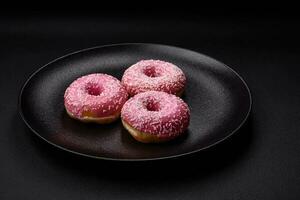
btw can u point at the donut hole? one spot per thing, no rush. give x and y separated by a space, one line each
153 106
93 89
151 71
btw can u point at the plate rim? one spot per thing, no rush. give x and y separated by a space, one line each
21 113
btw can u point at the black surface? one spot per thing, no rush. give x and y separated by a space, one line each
260 162
219 100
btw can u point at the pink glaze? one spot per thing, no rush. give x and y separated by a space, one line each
99 94
155 75
157 113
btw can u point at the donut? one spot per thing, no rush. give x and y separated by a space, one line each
147 75
95 98
154 116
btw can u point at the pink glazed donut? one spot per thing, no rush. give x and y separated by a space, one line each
95 98
147 75
154 116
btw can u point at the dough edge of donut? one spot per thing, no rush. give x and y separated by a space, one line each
178 93
143 136
98 120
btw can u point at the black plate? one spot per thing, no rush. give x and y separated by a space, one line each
218 97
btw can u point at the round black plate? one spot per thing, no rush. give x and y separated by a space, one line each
219 100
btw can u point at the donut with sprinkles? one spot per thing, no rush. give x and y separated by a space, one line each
95 98
155 116
157 75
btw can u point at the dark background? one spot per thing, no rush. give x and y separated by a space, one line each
261 161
